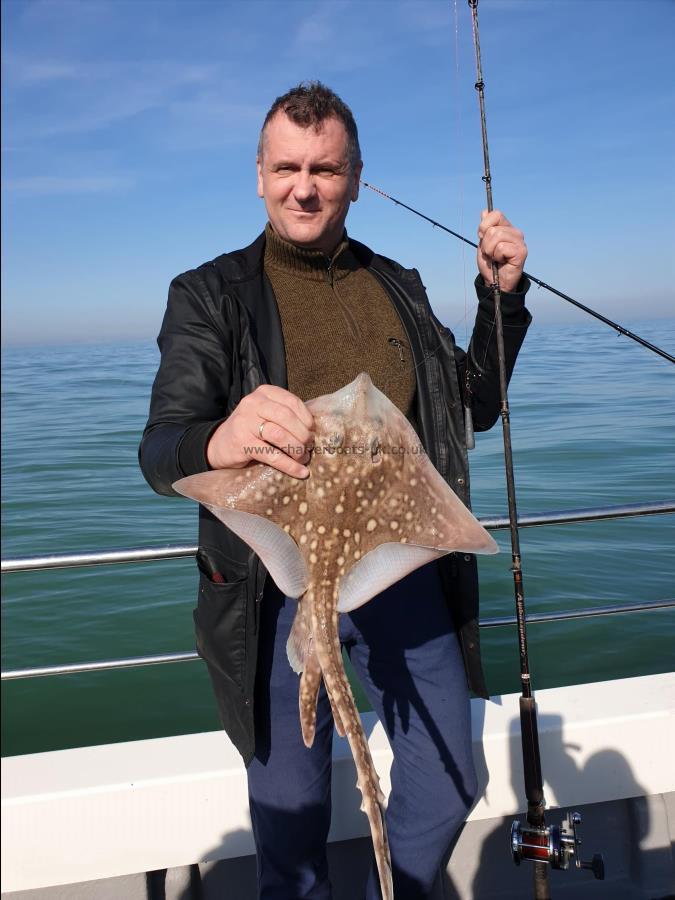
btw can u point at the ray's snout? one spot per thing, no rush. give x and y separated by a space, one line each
366 397
362 383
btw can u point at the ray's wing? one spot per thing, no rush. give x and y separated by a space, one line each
419 518
260 505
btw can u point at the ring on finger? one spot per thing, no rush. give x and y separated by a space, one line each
260 429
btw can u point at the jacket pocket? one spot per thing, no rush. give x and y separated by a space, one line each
220 624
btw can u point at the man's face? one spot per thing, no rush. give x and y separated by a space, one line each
307 182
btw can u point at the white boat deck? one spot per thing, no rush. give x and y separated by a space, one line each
99 813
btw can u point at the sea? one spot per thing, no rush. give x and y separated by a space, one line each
592 422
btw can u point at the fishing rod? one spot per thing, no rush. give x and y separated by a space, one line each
538 281
546 846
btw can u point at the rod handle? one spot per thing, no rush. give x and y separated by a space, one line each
534 789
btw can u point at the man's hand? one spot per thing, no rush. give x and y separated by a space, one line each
270 425
498 240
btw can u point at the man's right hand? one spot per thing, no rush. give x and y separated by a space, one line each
283 442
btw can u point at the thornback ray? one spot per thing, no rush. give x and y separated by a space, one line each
372 510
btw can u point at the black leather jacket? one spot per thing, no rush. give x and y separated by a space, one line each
220 339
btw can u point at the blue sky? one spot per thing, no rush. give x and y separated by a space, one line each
129 133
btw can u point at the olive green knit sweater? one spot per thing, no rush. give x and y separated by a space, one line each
337 321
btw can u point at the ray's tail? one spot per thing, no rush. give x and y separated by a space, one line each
348 721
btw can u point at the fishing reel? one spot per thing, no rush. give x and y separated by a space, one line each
554 845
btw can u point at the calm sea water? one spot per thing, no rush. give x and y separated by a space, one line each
593 423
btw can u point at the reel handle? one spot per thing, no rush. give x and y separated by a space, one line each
596 865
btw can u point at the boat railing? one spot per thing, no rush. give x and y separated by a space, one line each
155 554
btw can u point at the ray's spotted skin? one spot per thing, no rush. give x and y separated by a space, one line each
372 510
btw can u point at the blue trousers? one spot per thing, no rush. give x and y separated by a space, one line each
406 654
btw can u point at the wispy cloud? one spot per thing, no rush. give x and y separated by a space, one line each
427 15
29 72
317 28
44 185
91 96
56 14
319 38
208 120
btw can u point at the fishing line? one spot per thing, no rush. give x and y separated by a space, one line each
538 281
460 145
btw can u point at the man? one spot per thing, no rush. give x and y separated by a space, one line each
246 339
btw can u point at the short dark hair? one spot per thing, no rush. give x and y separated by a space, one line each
311 103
